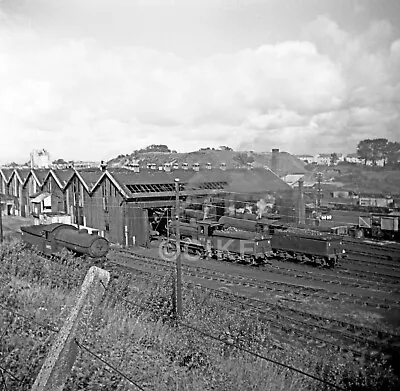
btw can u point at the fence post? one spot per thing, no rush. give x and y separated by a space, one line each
59 361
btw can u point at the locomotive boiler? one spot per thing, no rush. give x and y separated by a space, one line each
52 238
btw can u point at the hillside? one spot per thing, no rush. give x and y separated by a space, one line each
367 180
287 163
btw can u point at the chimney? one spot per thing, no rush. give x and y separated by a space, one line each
301 206
275 160
103 166
167 167
209 166
222 166
135 167
196 167
185 166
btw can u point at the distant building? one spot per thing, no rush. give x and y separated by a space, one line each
40 158
353 158
79 165
308 159
323 159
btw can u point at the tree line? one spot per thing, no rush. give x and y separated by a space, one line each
379 149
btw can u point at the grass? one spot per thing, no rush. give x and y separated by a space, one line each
365 179
144 343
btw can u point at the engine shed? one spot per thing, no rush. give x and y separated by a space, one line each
128 206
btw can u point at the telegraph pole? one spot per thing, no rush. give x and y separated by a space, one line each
319 192
178 291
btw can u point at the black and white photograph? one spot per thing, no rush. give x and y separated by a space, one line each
199 195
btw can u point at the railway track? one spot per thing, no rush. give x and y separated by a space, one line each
303 292
377 250
286 322
374 281
370 264
320 331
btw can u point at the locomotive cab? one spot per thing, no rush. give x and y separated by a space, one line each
206 229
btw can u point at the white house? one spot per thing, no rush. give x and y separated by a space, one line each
309 159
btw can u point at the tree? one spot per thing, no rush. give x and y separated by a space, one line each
334 158
156 148
393 153
379 150
243 158
364 150
59 161
373 150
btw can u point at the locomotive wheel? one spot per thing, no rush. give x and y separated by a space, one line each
170 247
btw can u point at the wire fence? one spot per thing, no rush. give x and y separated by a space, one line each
83 347
21 381
111 366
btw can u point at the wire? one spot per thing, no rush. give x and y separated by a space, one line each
48 327
262 357
245 350
4 383
80 345
9 373
183 324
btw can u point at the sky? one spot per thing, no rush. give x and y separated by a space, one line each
92 79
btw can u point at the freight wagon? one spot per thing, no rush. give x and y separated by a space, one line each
379 226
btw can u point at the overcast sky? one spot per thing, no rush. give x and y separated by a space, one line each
91 79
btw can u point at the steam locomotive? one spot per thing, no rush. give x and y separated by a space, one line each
52 238
256 241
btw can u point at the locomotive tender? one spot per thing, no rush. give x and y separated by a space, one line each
52 238
256 241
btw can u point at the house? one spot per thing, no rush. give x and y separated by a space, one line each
308 159
378 162
324 159
353 158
